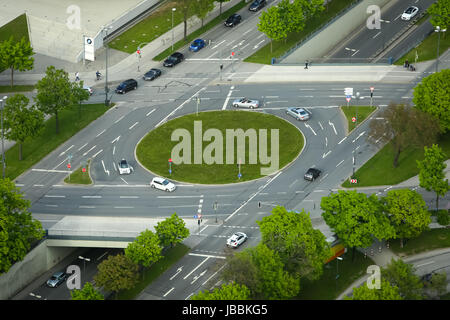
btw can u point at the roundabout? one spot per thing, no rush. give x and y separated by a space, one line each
220 147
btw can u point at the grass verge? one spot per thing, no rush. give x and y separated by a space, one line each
156 148
78 176
427 241
379 170
170 257
15 88
17 28
328 287
359 112
35 149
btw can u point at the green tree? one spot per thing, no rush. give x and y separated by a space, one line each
431 172
310 8
79 95
440 14
302 249
171 231
432 95
407 212
292 16
241 269
438 284
202 8
87 293
16 56
272 25
145 250
356 218
220 6
18 229
231 291
117 273
386 292
186 8
21 122
401 275
54 93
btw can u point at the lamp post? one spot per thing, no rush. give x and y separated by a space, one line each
3 145
106 62
173 10
438 30
337 269
215 209
352 50
382 34
356 124
84 261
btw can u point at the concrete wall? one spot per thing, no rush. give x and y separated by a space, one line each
35 263
332 35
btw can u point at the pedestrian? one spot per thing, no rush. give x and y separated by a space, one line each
406 63
77 76
306 64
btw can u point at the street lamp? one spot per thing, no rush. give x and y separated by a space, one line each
356 124
352 50
438 30
382 34
337 269
106 75
84 259
173 10
3 143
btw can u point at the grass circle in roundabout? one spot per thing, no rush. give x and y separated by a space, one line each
205 139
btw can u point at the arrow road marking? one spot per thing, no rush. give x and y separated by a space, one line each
196 268
332 124
326 154
197 277
178 271
311 129
116 139
106 171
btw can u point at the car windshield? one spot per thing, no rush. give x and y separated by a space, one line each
165 182
53 278
409 10
123 164
302 112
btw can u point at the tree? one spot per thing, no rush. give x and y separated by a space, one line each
17 227
145 250
356 218
241 269
310 8
404 127
386 292
231 291
431 172
54 93
171 231
272 25
87 293
302 249
438 284
21 122
401 275
291 15
117 273
79 95
220 8
202 8
440 14
186 8
407 212
432 96
16 56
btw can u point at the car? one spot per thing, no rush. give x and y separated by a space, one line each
124 167
312 174
152 74
196 45
56 279
173 59
236 239
233 20
257 5
162 184
246 103
299 113
88 89
409 13
126 86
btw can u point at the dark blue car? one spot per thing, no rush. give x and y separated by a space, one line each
197 45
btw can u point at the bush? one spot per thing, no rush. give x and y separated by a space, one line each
443 217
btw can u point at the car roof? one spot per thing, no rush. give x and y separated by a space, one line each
58 274
160 179
313 170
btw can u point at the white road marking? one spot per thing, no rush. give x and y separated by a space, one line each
326 154
176 273
150 112
362 133
116 139
129 197
290 186
84 145
100 133
123 180
196 267
104 169
89 150
247 31
51 205
114 151
97 154
86 207
123 207
46 170
306 125
424 264
53 196
342 140
218 44
205 255
176 197
227 99
182 206
168 292
64 152
376 35
339 163
119 119
133 126
91 197
332 124
257 45
355 52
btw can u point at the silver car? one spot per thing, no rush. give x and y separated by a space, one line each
236 239
299 113
246 103
56 279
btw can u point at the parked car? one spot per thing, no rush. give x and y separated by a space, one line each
197 44
162 184
299 113
88 89
312 174
152 74
233 20
124 167
236 239
246 103
409 13
56 279
126 86
257 5
173 59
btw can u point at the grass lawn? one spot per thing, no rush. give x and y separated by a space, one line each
380 171
15 88
37 148
17 28
79 177
427 241
325 287
264 55
359 112
170 257
156 148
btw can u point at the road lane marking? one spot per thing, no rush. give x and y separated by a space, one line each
91 197
129 197
64 152
218 44
206 255
376 35
168 292
227 99
342 140
54 196
49 170
119 119
123 207
196 267
97 154
123 180
339 163
86 207
100 133
133 126
150 113
84 145
424 264
89 150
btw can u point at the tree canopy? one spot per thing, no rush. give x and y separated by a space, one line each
145 250
171 231
16 56
440 14
401 274
230 291
87 293
386 292
271 24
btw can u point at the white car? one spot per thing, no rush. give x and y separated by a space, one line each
409 13
236 239
124 167
246 103
298 113
162 184
88 89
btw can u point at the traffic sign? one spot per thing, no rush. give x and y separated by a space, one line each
353 119
195 216
371 89
232 53
348 91
348 99
239 175
353 181
170 160
68 165
84 169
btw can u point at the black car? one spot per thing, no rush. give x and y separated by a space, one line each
312 174
233 20
126 86
175 58
152 74
257 5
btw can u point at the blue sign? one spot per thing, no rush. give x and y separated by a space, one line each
170 171
348 96
239 175
195 217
